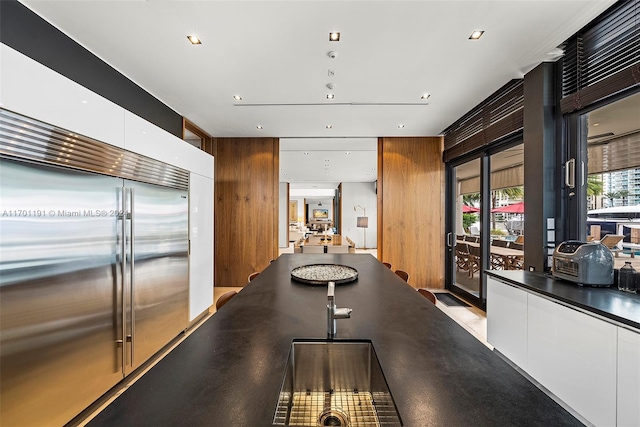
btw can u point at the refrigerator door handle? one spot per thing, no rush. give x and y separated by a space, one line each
123 268
132 276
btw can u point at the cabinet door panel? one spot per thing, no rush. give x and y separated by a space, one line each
628 378
36 91
507 321
201 239
145 138
574 356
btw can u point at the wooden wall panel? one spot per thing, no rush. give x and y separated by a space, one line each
246 207
411 208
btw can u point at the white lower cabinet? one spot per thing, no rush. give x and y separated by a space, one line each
507 321
628 378
574 356
592 365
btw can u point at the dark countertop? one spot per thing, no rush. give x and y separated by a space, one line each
228 372
610 303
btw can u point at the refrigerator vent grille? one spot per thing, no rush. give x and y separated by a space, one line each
29 139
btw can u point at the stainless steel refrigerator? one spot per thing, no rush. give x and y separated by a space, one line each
93 268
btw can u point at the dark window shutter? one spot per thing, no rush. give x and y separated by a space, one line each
498 116
603 58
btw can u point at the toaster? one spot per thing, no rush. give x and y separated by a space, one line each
585 263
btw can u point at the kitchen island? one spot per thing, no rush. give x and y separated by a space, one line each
229 371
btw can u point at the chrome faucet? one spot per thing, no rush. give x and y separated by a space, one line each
333 312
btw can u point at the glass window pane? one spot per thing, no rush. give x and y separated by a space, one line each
613 174
467 261
507 209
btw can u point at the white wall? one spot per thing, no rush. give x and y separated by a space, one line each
300 201
363 194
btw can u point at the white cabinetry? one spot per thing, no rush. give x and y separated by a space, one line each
507 321
574 356
31 89
145 138
628 378
589 363
201 241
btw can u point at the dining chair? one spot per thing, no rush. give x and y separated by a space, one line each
516 262
496 261
462 256
224 298
403 275
611 241
386 264
428 295
253 276
500 242
518 246
474 260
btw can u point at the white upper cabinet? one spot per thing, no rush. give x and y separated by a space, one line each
145 138
29 88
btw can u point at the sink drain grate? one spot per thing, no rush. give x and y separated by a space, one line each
364 408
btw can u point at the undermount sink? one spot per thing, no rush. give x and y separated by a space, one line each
334 383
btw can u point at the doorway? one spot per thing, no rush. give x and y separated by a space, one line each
329 178
487 221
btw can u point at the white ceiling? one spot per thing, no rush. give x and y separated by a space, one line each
274 55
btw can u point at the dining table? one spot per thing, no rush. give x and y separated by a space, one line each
508 255
327 240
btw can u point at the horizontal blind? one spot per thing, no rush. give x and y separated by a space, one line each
603 58
500 115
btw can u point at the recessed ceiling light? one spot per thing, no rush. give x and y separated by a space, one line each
194 39
330 96
334 37
425 96
400 126
237 97
328 126
259 127
476 35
